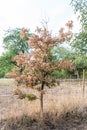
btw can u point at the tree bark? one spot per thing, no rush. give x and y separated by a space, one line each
77 74
41 101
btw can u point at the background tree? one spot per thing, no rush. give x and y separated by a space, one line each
80 7
13 42
13 45
61 52
79 41
6 64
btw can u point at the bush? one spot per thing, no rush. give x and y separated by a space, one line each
59 74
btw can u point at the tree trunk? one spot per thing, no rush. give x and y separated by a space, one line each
41 101
83 83
77 74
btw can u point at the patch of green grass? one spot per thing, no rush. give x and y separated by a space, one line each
31 97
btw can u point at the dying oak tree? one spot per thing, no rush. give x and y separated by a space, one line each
39 65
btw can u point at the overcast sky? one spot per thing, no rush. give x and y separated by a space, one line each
29 13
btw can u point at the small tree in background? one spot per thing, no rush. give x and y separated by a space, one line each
39 65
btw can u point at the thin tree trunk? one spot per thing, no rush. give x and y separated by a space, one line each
41 100
83 83
41 125
77 74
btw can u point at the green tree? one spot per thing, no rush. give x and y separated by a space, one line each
80 62
13 42
13 45
79 41
6 64
61 53
80 7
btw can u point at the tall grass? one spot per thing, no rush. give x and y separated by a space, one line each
64 109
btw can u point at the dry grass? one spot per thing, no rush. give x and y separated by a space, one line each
7 82
64 109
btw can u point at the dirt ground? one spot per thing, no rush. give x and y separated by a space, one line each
60 101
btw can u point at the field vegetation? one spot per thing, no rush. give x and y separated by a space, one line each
64 108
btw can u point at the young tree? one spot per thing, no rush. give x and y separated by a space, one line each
39 65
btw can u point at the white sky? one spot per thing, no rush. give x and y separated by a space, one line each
29 13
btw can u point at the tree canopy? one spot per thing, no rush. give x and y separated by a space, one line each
79 40
13 45
13 42
80 7
37 67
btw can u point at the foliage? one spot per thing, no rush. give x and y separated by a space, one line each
37 67
80 7
59 74
60 52
80 61
31 97
63 53
6 64
79 41
22 95
13 44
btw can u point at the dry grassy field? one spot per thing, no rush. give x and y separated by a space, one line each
64 108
